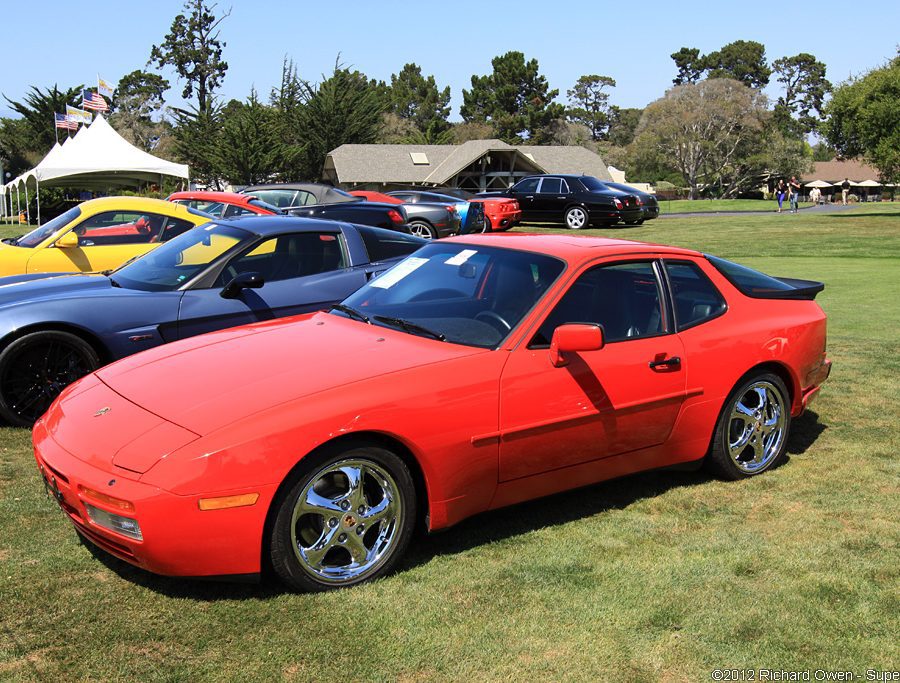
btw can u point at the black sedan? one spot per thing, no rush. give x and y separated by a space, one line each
572 200
648 202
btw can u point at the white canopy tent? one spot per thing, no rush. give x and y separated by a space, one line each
96 157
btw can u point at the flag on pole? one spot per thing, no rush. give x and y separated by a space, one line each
78 115
64 121
92 100
103 87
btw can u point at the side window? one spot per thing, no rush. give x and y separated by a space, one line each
565 187
232 210
288 256
551 186
172 227
527 185
406 197
120 227
624 299
696 299
384 244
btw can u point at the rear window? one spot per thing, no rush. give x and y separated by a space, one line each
386 244
750 282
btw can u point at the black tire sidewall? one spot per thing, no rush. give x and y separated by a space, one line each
281 554
16 346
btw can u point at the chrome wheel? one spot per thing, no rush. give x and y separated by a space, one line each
576 218
346 521
423 230
757 427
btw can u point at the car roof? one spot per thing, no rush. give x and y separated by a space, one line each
264 225
572 248
214 196
128 202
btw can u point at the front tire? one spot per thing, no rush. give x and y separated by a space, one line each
36 367
751 434
576 218
347 516
423 230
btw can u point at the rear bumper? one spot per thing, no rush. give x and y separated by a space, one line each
815 380
178 538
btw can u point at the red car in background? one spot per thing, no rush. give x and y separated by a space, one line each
500 213
224 204
477 373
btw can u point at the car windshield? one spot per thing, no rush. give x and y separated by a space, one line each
176 262
459 293
38 235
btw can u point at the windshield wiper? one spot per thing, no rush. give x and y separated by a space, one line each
352 312
112 282
408 326
13 241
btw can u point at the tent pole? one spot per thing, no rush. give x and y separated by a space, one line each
37 185
27 202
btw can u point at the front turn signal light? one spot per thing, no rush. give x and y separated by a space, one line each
225 502
113 502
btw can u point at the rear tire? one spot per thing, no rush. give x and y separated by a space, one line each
423 230
487 224
36 367
577 218
346 517
752 430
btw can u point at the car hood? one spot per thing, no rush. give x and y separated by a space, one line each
18 289
207 382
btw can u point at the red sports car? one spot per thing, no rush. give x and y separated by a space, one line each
479 372
224 204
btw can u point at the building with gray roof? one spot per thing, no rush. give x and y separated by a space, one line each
475 165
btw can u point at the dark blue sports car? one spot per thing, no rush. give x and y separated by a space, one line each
57 328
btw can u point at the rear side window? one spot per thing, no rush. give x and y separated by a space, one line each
750 282
696 299
551 186
385 244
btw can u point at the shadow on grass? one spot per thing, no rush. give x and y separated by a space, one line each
488 527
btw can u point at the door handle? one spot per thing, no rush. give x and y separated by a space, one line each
531 196
672 362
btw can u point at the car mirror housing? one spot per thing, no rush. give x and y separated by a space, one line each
574 337
68 241
241 282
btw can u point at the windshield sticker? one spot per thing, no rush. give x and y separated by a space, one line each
398 272
461 257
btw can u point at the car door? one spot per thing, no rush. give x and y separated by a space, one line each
105 241
550 200
618 399
524 192
302 272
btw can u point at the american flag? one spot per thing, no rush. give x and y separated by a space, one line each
62 121
92 100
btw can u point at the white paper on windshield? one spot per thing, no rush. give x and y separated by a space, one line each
461 257
398 272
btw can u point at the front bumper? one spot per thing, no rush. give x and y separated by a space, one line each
178 538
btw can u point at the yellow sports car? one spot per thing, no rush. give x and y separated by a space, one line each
99 234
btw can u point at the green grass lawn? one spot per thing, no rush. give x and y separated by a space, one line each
655 577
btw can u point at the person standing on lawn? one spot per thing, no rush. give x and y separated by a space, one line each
794 190
845 190
779 192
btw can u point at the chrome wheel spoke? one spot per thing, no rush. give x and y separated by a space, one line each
315 554
356 546
757 427
380 512
315 504
355 494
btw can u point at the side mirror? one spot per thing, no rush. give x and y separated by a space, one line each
242 282
572 338
68 241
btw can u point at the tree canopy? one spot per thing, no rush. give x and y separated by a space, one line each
192 47
514 98
416 98
864 119
591 104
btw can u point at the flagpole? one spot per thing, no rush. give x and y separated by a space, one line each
55 129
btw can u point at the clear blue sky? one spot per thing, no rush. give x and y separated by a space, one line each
69 42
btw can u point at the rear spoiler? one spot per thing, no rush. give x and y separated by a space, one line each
799 289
